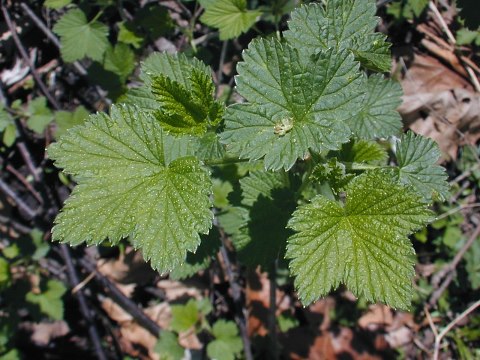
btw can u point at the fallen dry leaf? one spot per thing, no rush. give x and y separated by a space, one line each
132 333
377 317
129 268
43 333
440 104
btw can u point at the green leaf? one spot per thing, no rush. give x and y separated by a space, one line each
80 38
418 6
128 35
68 119
168 347
134 180
8 127
332 172
363 244
5 118
287 321
231 17
258 229
39 115
177 67
378 117
472 265
341 24
5 274
227 343
50 300
417 158
10 135
362 151
56 4
467 37
199 260
154 19
141 97
210 148
186 107
296 103
184 316
120 60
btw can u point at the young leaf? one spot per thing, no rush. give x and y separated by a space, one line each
50 300
199 260
378 117
39 115
362 151
184 316
332 172
120 60
347 24
231 17
296 103
80 38
184 111
177 67
417 158
363 244
227 343
134 180
128 35
258 229
168 347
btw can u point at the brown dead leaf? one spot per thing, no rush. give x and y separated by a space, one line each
175 289
43 333
440 104
129 268
258 302
399 337
134 335
377 317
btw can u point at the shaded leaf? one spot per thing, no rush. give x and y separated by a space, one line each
378 117
417 159
68 119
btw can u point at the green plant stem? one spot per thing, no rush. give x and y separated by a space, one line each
95 18
220 66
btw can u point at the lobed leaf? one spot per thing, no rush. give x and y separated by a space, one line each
378 117
296 103
134 180
80 38
347 24
227 343
417 159
363 244
258 227
230 17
